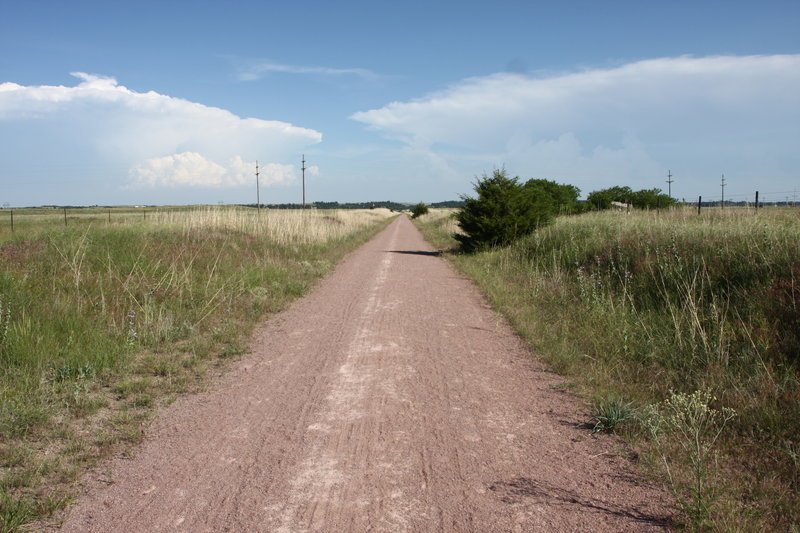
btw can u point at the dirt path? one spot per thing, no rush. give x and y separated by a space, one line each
390 399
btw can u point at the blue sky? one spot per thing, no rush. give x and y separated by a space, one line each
173 102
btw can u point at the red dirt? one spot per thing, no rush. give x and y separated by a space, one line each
389 399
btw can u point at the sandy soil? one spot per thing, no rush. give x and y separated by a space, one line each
390 399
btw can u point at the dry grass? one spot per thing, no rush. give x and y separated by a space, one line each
443 222
283 227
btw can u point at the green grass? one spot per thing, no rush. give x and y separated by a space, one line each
646 307
101 323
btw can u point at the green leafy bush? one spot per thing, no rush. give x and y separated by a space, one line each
419 210
643 199
503 211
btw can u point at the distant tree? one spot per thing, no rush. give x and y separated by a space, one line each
419 210
651 199
600 199
643 199
563 197
503 211
448 203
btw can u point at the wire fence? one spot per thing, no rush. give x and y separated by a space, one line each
764 199
120 215
17 217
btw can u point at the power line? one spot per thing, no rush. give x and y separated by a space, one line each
669 181
258 190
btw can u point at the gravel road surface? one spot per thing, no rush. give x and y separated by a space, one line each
391 398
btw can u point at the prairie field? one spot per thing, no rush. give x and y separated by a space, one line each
682 331
112 313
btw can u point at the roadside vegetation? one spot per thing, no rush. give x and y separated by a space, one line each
115 314
506 209
682 331
419 210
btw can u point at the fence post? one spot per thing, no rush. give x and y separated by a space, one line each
65 217
699 203
109 216
756 200
12 221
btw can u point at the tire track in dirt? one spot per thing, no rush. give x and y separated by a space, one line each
389 399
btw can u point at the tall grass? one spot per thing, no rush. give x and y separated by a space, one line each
647 307
284 227
100 323
290 226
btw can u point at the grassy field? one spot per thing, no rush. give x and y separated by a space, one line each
683 333
111 315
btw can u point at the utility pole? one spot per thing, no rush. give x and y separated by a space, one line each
258 191
723 191
669 181
303 168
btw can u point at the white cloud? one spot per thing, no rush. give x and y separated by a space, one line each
259 70
620 124
163 141
190 169
274 173
185 169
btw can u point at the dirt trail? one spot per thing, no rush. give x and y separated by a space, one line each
390 399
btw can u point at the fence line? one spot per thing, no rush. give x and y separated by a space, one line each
756 200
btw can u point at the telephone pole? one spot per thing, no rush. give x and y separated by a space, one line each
258 191
303 167
669 181
723 191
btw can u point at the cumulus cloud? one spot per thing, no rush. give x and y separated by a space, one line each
625 122
164 141
187 168
190 169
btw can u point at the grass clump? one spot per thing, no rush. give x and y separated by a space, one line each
610 415
652 306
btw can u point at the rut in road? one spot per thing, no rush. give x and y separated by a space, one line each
389 399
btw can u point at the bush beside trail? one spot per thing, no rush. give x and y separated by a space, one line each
419 210
506 209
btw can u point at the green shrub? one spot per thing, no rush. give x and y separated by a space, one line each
503 211
419 210
643 199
